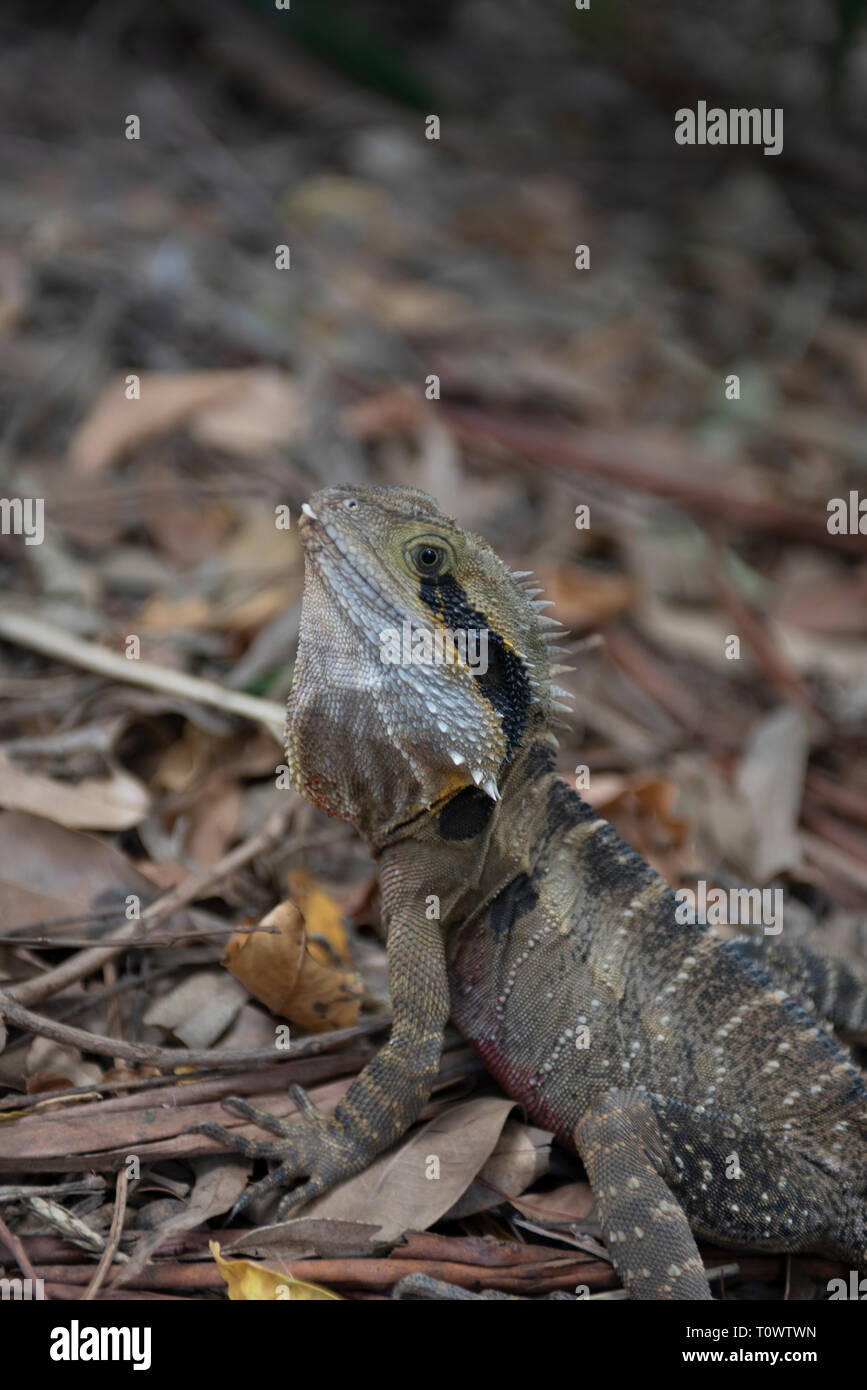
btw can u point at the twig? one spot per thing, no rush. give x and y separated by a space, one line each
174 1056
847 800
39 636
22 1192
51 943
196 886
114 1235
18 1251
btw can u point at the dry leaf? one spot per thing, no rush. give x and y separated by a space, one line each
565 1205
164 614
412 1186
584 596
268 411
199 1009
117 802
115 424
216 818
520 1158
243 411
771 780
282 972
219 1184
268 965
48 871
307 1235
322 918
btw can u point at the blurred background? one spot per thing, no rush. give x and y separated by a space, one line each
559 387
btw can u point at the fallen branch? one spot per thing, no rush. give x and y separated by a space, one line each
26 630
149 1053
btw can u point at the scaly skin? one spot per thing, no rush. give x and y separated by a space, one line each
701 1089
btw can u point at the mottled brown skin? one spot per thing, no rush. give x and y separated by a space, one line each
702 1090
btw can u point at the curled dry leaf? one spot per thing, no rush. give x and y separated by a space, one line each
284 973
250 1282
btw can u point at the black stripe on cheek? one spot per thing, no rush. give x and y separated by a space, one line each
505 684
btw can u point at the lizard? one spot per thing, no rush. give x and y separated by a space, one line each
697 1078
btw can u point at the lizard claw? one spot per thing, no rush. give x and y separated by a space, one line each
305 1104
310 1145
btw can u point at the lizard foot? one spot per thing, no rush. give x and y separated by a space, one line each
313 1145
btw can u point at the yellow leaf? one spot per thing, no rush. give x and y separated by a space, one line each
322 917
251 1282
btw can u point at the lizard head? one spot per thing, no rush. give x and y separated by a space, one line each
422 663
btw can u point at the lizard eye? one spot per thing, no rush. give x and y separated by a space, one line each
429 560
350 503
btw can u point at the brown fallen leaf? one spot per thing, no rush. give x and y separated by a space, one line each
583 596
114 424
243 411
307 1235
414 1185
215 823
521 1156
219 1184
268 411
642 809
163 613
281 971
116 802
48 871
565 1205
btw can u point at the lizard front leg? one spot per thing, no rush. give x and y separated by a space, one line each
645 1227
384 1099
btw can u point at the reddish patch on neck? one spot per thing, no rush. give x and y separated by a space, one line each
517 1083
